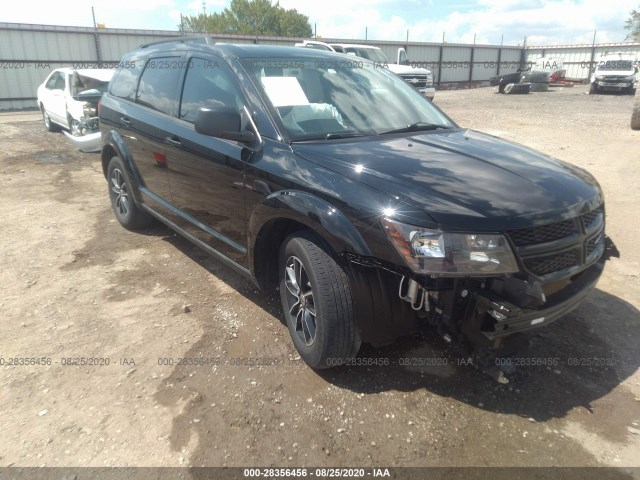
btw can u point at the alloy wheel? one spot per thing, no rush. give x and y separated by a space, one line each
300 300
120 192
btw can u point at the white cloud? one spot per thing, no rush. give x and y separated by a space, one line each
541 21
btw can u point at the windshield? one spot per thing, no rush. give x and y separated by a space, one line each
616 65
339 97
372 54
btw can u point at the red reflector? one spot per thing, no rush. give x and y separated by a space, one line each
160 158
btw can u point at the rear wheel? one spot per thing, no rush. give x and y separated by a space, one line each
123 204
316 298
49 125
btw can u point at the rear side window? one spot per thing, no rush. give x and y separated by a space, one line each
209 83
125 81
158 84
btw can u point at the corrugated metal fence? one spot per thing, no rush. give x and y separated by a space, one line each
28 53
580 60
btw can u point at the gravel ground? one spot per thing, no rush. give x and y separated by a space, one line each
75 284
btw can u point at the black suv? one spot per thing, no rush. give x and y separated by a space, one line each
335 181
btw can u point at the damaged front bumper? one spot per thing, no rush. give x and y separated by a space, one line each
86 143
492 317
481 313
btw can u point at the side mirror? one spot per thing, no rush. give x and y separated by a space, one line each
222 122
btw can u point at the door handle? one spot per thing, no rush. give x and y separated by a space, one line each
173 141
125 121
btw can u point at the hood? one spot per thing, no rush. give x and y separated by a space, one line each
462 178
407 70
100 74
614 73
87 85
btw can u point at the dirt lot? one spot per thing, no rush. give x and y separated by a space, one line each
75 284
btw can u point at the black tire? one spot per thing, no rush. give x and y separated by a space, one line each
48 123
635 114
535 77
512 77
312 279
593 89
539 87
123 204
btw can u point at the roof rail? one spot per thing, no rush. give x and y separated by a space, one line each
206 39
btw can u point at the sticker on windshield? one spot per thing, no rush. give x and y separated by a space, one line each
284 91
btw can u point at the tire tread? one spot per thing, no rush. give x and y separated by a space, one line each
332 287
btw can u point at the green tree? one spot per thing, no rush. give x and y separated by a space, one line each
250 17
633 25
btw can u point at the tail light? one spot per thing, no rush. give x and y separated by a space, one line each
99 105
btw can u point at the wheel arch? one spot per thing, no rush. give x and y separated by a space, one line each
113 145
285 212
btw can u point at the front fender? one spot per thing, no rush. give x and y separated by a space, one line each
313 212
75 109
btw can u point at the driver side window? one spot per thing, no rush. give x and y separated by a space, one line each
208 84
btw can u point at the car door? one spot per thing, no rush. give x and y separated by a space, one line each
206 174
54 100
148 121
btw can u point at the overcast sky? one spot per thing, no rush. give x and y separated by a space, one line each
543 22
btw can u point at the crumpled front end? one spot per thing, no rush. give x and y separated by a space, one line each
559 264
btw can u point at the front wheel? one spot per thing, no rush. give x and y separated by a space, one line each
123 204
593 89
74 127
316 298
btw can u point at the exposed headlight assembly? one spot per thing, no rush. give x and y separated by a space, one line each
438 253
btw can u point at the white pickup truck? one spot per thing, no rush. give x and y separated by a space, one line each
419 78
615 71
